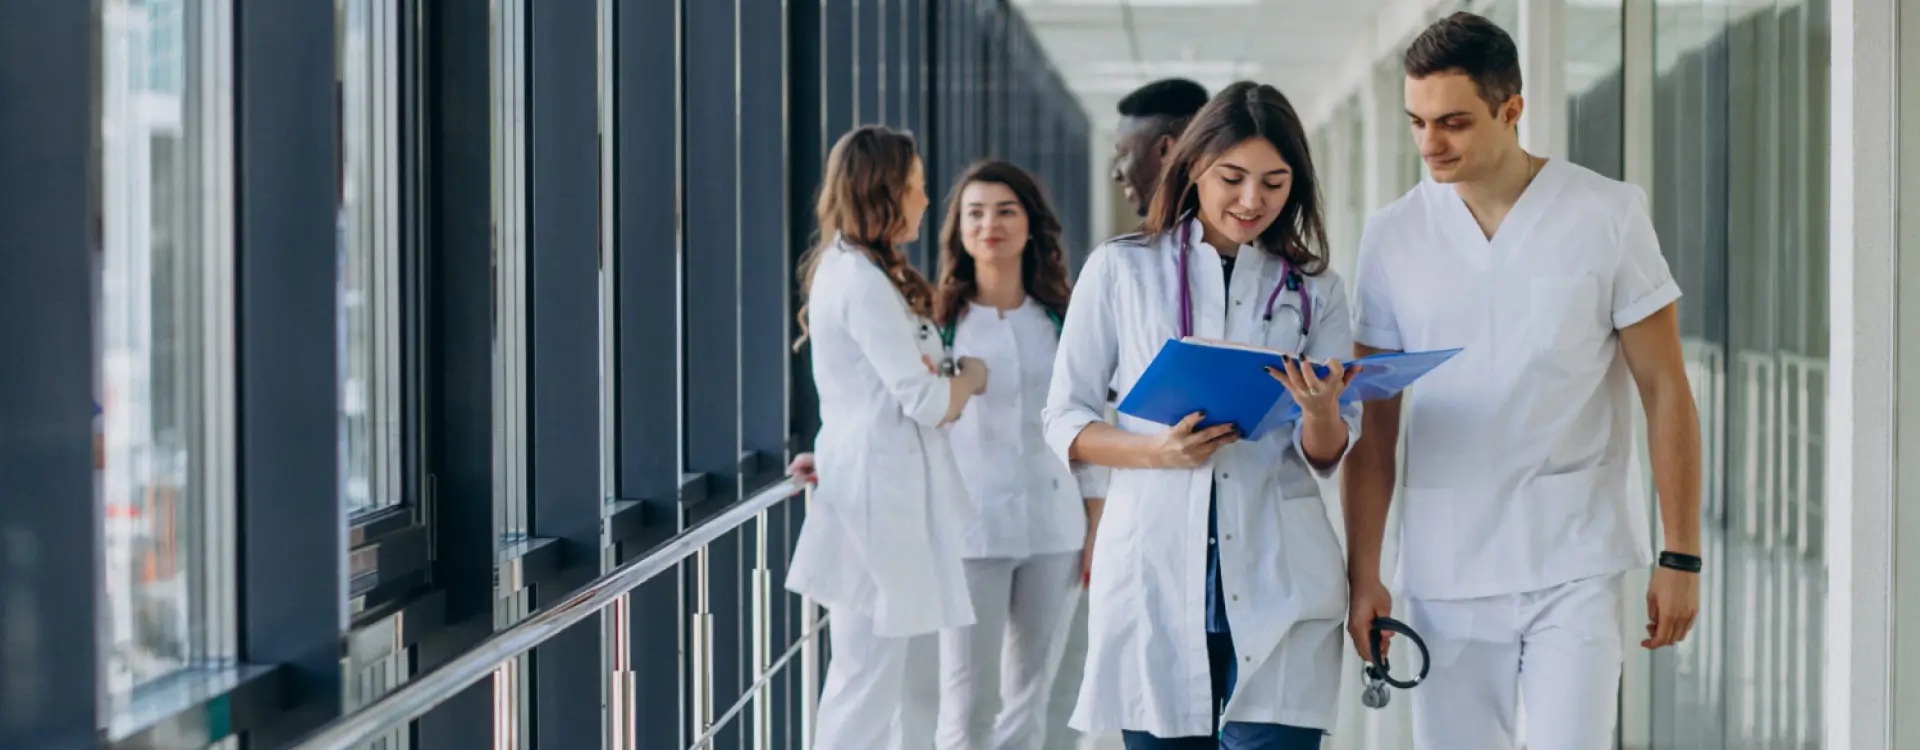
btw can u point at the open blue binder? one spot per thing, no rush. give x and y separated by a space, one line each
1230 384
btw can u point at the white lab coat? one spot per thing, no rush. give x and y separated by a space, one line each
1028 501
1520 470
1284 573
882 535
1023 548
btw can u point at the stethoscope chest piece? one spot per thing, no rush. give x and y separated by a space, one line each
1378 673
1376 695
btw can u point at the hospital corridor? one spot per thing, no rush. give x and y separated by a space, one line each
858 375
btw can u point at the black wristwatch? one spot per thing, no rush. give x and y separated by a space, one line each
1679 561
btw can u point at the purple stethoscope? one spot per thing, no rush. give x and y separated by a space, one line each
1289 279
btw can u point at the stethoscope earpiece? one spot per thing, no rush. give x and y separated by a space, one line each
1378 674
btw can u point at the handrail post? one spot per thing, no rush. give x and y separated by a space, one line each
809 661
762 638
701 654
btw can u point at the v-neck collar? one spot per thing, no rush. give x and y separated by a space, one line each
1513 228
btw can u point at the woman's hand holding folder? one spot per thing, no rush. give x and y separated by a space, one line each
1323 436
1180 447
1317 396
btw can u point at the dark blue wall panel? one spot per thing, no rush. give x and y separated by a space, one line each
764 252
563 265
289 415
48 523
710 414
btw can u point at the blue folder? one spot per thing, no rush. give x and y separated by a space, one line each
1230 384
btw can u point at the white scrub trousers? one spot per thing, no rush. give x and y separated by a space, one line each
881 693
1559 650
996 676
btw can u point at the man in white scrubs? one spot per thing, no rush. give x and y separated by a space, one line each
1523 502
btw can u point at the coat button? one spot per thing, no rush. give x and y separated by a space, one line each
1236 597
1229 537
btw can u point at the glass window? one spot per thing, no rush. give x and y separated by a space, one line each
1596 124
164 317
1740 150
1503 13
1354 177
369 244
1396 135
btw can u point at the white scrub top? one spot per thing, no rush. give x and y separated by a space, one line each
1282 568
1029 503
882 534
1520 470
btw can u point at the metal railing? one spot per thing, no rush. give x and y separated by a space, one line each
421 695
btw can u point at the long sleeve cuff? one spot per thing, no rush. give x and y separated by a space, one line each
1349 414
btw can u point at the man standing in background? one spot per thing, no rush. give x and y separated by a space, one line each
1151 119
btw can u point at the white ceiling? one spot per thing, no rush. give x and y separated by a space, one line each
1106 48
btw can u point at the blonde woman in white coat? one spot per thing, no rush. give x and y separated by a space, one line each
880 549
1001 294
1218 595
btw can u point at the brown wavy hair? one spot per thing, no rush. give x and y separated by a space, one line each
1043 265
1240 112
867 173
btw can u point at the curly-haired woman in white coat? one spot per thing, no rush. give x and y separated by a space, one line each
880 548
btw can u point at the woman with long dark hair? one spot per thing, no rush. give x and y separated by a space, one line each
1001 295
1219 592
880 548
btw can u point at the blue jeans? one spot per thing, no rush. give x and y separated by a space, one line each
1235 735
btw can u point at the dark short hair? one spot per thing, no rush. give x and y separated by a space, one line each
1470 45
1172 98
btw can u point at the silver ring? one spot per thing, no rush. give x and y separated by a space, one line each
1313 393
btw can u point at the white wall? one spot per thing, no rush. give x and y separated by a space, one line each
1906 568
1859 705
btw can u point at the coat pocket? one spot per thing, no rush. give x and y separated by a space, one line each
1567 510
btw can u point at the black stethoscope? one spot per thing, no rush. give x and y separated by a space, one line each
948 364
1376 673
1289 279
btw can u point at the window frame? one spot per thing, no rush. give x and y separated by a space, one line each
389 543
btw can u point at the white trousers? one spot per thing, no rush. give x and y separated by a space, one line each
1066 687
1553 654
996 676
881 693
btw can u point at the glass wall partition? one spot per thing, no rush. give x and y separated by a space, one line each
1740 159
1596 94
369 75
164 317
